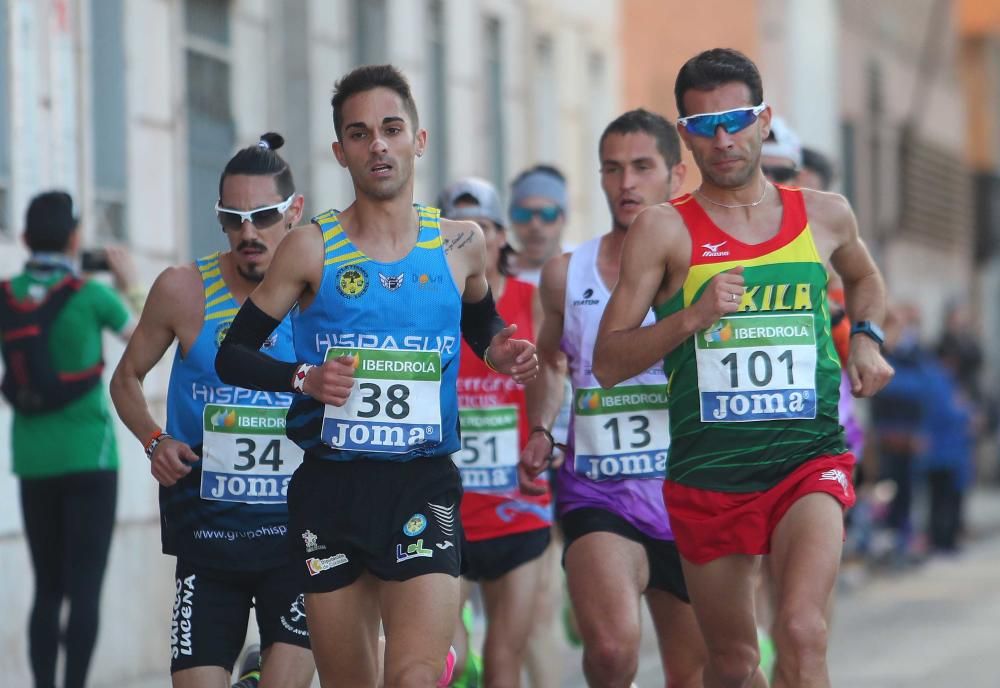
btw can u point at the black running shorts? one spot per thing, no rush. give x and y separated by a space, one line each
490 559
395 519
212 607
664 561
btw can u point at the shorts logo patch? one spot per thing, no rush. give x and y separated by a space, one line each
413 550
318 566
415 526
838 475
445 517
297 613
310 538
352 281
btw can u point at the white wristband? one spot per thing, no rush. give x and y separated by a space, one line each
299 378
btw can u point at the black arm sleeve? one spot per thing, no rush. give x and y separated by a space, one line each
480 321
240 361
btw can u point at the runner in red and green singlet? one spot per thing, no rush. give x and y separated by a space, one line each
755 395
735 273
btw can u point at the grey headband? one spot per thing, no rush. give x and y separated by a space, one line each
540 183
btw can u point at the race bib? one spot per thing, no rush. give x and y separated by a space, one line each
490 448
245 454
395 404
621 432
757 367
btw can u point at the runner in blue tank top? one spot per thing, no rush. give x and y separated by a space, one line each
384 291
224 462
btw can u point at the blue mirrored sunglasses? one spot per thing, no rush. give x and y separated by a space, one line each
547 214
732 121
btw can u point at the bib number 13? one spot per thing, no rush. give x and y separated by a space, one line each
638 432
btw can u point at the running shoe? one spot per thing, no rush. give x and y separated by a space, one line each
249 672
449 669
472 674
767 653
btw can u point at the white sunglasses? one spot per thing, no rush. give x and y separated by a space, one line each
262 217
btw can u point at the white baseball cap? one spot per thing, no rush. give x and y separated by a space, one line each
782 142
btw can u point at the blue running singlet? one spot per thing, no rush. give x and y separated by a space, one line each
401 322
229 512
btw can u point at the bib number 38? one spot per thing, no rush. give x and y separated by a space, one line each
395 404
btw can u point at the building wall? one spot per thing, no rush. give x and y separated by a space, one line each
886 44
283 58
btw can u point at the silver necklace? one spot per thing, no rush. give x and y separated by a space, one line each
735 205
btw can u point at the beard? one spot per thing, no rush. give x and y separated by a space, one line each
736 178
251 275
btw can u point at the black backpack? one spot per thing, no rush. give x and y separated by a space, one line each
30 382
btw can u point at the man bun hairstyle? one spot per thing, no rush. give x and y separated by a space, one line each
49 222
367 78
712 68
668 142
262 159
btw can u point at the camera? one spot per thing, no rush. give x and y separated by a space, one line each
94 260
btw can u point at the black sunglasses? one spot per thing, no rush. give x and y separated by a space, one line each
780 174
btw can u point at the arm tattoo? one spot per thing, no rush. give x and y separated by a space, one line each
457 243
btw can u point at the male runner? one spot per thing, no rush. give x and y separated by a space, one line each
506 532
223 463
619 544
757 463
384 291
538 203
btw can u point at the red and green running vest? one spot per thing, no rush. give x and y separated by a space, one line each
755 395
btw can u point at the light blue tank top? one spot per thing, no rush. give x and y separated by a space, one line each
401 322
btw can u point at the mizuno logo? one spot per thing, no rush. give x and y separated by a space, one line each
713 249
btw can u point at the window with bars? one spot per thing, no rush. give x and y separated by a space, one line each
5 219
493 93
108 124
211 129
437 114
369 30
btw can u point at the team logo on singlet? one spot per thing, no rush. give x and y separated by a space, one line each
222 330
352 281
392 283
588 299
714 250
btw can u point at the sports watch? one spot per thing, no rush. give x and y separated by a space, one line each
869 329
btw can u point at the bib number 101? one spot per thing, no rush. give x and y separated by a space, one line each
760 368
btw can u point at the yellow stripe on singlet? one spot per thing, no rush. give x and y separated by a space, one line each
217 300
229 312
801 249
345 257
214 287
